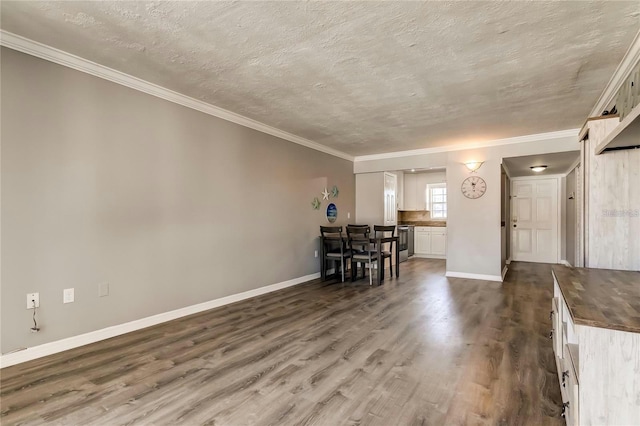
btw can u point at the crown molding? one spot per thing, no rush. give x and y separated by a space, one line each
497 142
629 61
43 51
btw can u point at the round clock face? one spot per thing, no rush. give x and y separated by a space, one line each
474 187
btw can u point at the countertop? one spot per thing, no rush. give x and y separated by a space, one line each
602 298
438 223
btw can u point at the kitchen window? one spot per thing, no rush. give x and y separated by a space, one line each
437 200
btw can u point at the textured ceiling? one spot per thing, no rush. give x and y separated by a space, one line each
359 77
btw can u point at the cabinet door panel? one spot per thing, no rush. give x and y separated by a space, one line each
423 242
439 243
410 192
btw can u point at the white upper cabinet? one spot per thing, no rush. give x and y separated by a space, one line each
414 192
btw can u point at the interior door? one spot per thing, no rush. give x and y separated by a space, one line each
390 207
534 220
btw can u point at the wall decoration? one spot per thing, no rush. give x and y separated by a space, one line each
473 187
315 204
334 191
325 194
332 213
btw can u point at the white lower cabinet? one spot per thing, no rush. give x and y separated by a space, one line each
430 241
599 381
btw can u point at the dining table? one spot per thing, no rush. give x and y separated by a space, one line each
378 241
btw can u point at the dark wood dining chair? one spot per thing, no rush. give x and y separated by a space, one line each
363 251
380 231
334 249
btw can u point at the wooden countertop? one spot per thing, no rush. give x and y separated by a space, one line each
602 298
435 223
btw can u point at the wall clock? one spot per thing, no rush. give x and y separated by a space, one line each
474 187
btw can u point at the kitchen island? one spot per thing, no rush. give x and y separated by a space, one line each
596 339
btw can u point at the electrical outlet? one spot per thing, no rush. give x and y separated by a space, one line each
31 297
315 253
348 215
68 295
103 289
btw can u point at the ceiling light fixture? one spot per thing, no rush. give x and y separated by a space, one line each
413 170
538 169
473 165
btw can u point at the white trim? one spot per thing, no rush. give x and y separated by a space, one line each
504 272
483 277
506 169
573 166
538 177
629 61
50 348
508 262
565 263
497 142
560 201
42 51
429 256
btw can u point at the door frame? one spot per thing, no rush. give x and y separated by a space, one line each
558 179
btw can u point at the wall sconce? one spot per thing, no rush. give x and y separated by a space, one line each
473 165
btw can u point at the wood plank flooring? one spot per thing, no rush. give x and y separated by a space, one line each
418 350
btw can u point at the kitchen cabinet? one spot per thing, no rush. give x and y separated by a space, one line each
431 242
415 195
439 241
415 189
409 197
422 243
596 354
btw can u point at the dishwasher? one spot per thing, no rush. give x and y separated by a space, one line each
405 242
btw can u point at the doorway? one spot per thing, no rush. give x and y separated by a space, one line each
534 219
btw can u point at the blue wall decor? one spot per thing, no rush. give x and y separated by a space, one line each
332 213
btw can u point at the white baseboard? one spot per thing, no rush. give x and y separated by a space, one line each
508 262
51 348
504 271
452 274
566 263
430 256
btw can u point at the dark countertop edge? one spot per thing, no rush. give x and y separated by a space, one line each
422 222
586 322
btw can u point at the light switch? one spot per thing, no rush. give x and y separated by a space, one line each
68 295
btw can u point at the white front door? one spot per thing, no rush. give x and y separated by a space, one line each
390 207
534 220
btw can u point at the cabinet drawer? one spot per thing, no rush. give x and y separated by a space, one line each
570 390
556 321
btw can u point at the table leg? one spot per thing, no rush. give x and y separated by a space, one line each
323 262
397 261
380 261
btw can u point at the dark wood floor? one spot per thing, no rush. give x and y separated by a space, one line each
422 349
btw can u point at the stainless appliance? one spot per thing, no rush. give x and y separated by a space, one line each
411 239
403 242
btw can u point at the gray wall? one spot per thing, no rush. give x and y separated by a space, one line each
370 199
171 207
570 219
